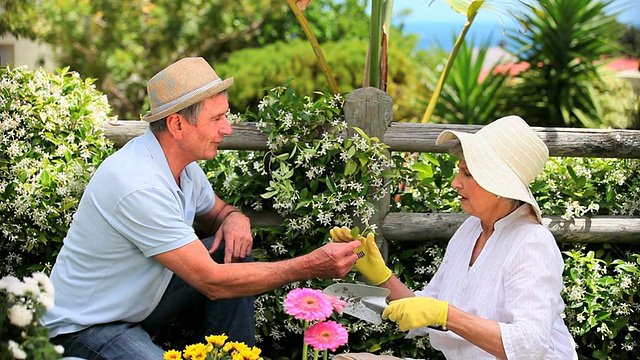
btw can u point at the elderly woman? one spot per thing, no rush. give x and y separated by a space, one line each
497 292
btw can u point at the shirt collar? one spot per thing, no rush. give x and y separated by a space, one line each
157 154
521 211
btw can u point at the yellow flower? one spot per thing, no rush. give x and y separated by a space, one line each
240 350
253 354
216 348
197 351
172 355
216 340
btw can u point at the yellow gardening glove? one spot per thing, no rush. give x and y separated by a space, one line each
416 312
370 262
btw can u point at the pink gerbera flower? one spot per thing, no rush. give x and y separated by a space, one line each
308 304
337 303
326 335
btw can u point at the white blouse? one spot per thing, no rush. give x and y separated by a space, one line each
516 280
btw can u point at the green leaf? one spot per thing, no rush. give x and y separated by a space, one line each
351 151
269 194
432 159
350 167
361 132
572 173
424 171
474 8
330 185
304 194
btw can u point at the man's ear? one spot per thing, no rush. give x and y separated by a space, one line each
175 125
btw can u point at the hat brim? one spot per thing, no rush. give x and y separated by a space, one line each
188 99
489 170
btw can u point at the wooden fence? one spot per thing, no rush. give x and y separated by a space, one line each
372 110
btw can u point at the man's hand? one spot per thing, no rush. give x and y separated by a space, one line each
416 312
370 262
236 232
332 260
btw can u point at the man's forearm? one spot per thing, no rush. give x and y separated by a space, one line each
244 279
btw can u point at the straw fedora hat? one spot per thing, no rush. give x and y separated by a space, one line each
504 157
181 84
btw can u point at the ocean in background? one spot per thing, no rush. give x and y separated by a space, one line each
445 32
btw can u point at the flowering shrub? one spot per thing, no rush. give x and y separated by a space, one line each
22 303
573 187
601 312
51 142
312 175
216 348
313 307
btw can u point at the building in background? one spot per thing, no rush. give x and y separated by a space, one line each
21 51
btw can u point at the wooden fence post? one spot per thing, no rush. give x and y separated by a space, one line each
371 109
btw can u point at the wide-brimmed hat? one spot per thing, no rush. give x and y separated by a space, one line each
181 84
504 157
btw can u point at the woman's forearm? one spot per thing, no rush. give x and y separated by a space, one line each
483 333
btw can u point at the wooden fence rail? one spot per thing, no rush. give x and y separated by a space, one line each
372 110
409 137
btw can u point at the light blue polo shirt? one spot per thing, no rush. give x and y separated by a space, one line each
131 210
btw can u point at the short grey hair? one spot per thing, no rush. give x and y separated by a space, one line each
191 113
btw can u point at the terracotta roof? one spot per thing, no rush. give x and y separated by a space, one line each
513 68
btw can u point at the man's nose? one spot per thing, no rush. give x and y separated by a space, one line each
226 129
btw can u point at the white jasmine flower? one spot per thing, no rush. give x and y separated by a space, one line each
17 288
47 300
15 349
20 315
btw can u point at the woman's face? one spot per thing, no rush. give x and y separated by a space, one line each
475 200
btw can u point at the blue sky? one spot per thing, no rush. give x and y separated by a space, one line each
440 11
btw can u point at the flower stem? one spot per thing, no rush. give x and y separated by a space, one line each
316 46
305 347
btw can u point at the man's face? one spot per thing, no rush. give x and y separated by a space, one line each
201 140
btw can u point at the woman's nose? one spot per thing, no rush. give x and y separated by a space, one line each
456 182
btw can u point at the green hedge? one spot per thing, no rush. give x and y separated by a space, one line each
51 141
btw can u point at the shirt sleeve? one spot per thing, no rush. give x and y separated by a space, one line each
533 283
152 220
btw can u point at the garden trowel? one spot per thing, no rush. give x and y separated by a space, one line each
365 302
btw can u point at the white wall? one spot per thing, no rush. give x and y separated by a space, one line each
25 52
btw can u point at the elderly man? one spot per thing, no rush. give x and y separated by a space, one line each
132 260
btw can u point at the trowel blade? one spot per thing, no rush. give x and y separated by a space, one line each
364 302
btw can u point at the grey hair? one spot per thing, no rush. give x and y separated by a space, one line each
456 149
191 113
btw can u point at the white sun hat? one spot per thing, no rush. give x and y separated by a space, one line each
503 157
181 84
